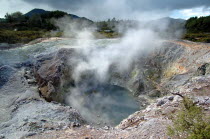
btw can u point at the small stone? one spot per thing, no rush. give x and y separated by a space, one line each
74 124
171 98
65 127
29 135
88 126
206 109
31 81
25 119
106 127
43 120
2 136
160 103
142 118
51 128
42 129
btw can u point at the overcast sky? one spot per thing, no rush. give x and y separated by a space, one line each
121 9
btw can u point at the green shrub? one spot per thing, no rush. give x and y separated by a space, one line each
59 34
10 36
198 37
190 122
103 34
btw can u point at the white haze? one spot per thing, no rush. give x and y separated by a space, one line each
97 60
122 54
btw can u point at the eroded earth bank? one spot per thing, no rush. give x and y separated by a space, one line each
41 98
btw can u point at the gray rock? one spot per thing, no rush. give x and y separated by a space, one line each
171 98
31 81
106 127
161 102
204 69
89 127
30 134
2 136
75 124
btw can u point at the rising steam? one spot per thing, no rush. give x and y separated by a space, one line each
94 66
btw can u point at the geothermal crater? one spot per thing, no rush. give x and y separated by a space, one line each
103 104
99 103
122 93
39 91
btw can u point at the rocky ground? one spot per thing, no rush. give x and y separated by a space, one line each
177 67
6 46
151 122
28 113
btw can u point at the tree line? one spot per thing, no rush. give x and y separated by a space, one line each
35 22
198 25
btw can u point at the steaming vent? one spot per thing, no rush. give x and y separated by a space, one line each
94 76
101 104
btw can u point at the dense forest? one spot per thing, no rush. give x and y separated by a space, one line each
36 20
198 25
198 29
23 28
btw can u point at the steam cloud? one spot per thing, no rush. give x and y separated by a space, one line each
93 68
121 54
97 60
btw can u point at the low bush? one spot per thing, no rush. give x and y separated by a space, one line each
9 36
103 34
198 37
190 122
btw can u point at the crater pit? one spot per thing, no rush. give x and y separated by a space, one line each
104 104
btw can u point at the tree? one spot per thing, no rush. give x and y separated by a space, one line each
35 21
14 17
8 18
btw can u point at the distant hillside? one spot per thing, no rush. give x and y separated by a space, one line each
172 20
36 11
41 12
74 16
169 27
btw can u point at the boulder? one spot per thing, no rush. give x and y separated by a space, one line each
204 69
52 73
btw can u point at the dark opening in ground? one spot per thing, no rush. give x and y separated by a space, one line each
103 105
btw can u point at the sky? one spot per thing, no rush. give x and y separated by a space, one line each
121 9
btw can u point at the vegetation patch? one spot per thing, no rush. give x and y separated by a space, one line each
198 37
19 36
190 122
198 29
